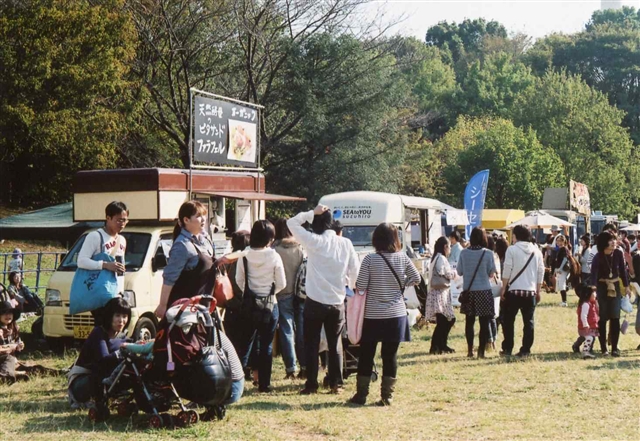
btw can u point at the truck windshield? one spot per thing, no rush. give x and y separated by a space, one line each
360 236
137 247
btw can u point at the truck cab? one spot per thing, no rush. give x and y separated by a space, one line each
147 248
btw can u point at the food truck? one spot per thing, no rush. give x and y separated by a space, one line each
362 211
153 197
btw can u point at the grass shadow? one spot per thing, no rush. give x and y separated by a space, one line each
272 405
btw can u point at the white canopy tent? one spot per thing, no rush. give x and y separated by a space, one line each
538 219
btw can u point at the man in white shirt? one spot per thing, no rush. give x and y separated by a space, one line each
331 260
522 278
107 240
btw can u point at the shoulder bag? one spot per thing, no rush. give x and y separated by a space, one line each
92 289
519 273
261 307
464 295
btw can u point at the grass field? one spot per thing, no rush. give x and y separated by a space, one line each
552 395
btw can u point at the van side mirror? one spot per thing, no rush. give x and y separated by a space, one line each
158 262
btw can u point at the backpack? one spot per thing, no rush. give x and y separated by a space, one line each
301 280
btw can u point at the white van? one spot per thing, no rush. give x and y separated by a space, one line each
145 259
362 211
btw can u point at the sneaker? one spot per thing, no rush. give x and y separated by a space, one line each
605 352
587 355
615 353
576 348
308 391
563 303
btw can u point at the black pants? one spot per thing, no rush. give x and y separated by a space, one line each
261 332
332 317
512 305
470 321
440 336
614 333
389 358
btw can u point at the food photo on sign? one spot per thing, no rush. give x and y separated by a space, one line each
242 141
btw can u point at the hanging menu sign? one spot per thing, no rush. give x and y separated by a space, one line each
225 132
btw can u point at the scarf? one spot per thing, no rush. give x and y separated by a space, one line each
611 286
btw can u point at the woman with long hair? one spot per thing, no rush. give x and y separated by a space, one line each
439 308
477 265
190 259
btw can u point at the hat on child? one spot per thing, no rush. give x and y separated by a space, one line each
6 307
17 252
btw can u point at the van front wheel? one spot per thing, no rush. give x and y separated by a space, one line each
145 330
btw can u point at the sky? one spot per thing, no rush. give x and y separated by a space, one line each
535 18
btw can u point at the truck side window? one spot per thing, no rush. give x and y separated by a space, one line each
160 257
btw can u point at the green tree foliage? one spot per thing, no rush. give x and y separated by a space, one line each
606 55
520 166
464 38
585 132
64 93
351 131
492 85
432 84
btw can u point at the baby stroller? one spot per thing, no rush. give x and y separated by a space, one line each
188 364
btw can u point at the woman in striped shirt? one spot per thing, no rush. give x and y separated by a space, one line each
384 275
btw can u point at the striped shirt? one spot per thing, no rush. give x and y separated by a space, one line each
385 299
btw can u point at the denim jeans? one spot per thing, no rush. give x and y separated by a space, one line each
512 305
287 333
333 318
298 316
261 333
237 389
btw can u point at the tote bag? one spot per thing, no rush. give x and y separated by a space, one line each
355 315
92 289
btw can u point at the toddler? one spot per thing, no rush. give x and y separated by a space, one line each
588 317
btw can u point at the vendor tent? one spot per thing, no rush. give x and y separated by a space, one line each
51 223
498 219
540 219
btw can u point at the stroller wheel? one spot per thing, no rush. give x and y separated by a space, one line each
167 421
99 414
155 422
187 417
127 410
374 376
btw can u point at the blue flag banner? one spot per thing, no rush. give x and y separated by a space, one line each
474 197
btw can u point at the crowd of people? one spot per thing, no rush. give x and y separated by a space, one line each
297 275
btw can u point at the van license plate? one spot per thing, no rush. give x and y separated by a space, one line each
82 331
